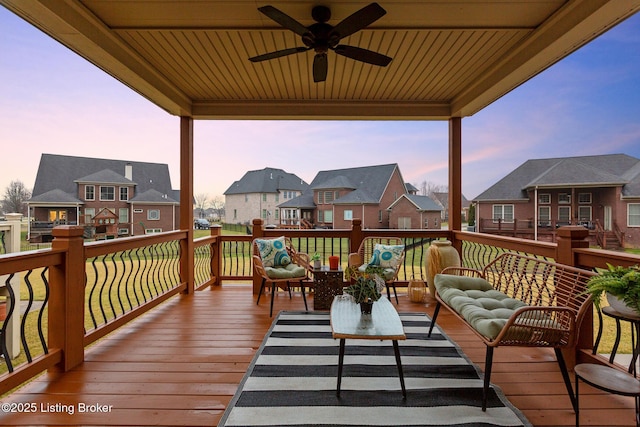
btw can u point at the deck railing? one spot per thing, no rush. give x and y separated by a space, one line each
86 290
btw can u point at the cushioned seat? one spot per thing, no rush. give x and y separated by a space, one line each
278 263
484 308
289 271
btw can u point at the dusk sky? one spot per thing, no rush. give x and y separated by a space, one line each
55 102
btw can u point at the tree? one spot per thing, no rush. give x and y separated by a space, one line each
217 204
202 202
15 196
427 188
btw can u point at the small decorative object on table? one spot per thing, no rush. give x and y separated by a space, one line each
334 262
366 290
317 262
623 283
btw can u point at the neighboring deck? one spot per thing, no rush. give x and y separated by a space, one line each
181 363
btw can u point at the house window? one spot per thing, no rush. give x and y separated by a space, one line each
137 211
544 216
264 197
123 215
90 192
277 197
319 197
153 214
124 194
152 230
503 212
584 198
544 198
264 214
58 216
107 193
380 216
584 213
564 214
348 215
328 196
235 214
325 216
277 216
633 215
564 198
246 197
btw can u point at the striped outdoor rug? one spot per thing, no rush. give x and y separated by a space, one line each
292 381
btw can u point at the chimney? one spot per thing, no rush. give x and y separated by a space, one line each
128 171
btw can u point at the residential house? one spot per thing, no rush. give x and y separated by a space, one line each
258 193
442 198
599 192
109 197
338 196
412 211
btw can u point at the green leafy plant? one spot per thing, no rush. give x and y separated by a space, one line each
621 282
366 287
315 257
353 272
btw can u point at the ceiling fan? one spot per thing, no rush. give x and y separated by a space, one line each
322 37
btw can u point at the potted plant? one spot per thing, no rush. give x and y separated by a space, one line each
365 291
317 263
622 286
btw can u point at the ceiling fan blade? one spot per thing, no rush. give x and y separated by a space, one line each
284 19
320 66
359 20
278 53
364 55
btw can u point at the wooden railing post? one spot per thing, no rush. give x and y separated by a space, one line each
258 232
570 237
356 235
216 254
66 304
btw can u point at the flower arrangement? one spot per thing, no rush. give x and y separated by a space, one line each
621 282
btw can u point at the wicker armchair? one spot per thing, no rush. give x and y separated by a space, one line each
358 260
281 276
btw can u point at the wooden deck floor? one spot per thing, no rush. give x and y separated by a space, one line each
181 364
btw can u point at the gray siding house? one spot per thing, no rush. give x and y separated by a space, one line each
258 193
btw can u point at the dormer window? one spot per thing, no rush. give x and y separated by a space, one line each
89 192
107 192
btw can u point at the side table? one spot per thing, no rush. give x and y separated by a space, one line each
634 321
328 283
607 379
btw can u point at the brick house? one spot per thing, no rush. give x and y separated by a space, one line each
412 211
132 198
258 193
337 196
599 192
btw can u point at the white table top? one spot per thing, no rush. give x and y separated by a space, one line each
348 322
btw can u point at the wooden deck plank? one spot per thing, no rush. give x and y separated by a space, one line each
181 364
